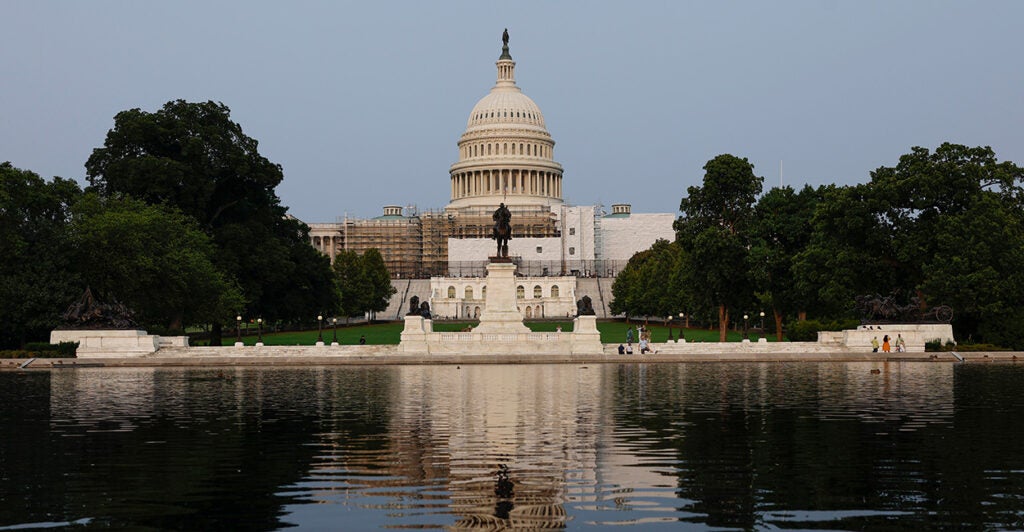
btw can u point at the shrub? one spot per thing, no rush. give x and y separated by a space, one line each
807 330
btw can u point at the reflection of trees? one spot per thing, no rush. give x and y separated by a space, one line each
180 449
753 439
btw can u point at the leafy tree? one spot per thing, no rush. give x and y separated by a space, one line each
378 281
942 225
647 286
37 276
782 230
715 230
154 260
364 282
349 272
193 157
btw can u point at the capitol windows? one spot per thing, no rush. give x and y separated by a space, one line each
572 251
536 292
554 290
451 292
540 250
520 292
572 231
469 292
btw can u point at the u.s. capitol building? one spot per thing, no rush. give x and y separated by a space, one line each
506 155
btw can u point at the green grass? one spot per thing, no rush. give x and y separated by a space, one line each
390 333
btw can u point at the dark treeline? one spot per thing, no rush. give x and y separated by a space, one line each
180 222
939 228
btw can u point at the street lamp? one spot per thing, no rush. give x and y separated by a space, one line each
682 324
335 341
320 329
238 330
668 319
762 322
259 326
745 318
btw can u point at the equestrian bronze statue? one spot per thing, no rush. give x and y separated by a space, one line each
502 229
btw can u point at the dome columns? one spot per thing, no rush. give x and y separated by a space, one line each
508 181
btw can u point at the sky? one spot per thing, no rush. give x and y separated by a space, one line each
363 103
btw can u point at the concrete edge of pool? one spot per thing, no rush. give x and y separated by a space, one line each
390 355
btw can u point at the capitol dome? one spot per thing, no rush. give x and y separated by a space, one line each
506 153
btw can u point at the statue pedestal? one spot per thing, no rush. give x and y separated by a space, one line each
585 336
501 314
414 335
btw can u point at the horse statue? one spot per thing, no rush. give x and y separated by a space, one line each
502 229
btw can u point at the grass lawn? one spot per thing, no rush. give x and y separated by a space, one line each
390 333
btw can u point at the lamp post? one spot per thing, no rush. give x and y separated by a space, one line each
745 318
319 329
682 324
668 319
238 330
762 323
335 321
259 327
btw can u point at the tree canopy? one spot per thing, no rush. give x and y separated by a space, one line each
154 259
38 277
715 232
193 157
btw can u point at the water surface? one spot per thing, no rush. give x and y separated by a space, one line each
676 446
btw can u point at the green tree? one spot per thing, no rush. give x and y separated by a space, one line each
378 288
349 272
193 157
782 230
940 225
647 286
37 275
364 282
715 231
154 260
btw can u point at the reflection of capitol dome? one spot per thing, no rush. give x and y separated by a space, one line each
506 153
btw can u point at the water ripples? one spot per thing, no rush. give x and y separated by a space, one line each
736 446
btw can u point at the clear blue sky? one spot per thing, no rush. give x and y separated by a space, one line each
363 103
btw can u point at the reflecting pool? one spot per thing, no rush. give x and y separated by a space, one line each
837 446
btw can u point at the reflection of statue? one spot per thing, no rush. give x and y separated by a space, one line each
585 307
414 306
504 490
425 310
502 229
88 313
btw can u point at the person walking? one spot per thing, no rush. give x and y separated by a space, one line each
629 335
901 344
885 344
874 345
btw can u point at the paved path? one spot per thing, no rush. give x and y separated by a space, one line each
389 355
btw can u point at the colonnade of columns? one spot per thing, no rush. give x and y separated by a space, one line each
326 244
521 182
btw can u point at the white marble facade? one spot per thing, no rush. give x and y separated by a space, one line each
536 297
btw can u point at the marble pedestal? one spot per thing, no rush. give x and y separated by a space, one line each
501 314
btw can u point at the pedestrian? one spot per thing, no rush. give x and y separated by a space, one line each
362 339
901 345
622 349
629 348
643 345
629 335
558 328
874 345
885 344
